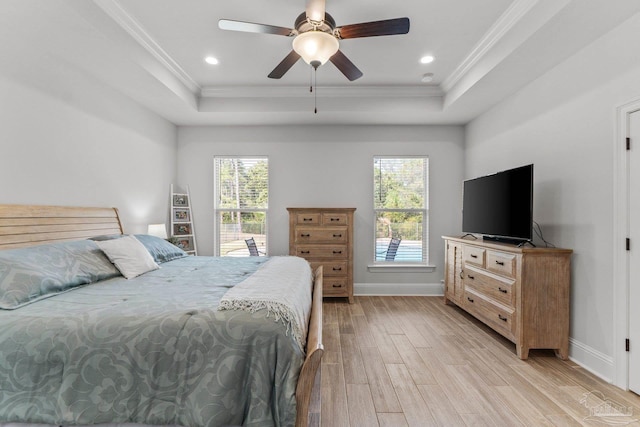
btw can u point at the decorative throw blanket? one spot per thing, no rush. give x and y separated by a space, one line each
275 287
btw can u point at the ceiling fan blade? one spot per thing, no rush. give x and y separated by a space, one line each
250 27
347 68
284 65
315 10
387 27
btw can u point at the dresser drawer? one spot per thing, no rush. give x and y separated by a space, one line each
308 218
321 234
499 318
334 218
495 287
335 286
331 268
501 263
473 255
322 251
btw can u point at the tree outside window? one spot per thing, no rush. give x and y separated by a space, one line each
401 208
241 201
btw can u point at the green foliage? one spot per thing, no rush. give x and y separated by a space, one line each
257 184
399 184
243 183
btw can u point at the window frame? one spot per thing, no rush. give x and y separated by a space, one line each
217 210
422 265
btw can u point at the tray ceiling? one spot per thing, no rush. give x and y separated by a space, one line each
153 51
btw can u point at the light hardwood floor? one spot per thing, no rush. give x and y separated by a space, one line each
413 361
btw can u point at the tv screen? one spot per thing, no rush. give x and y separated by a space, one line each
500 205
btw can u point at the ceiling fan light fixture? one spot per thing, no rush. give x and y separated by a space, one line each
315 46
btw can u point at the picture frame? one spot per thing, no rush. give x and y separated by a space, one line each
181 215
185 243
180 200
182 229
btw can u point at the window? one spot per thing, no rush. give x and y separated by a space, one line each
401 205
241 201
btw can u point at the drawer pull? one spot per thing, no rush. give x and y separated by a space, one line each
337 252
337 268
337 235
470 277
337 285
335 219
305 252
501 317
504 291
307 219
461 274
305 235
474 256
499 262
469 299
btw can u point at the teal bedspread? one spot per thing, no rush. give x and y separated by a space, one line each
151 350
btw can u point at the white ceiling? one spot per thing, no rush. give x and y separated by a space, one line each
153 50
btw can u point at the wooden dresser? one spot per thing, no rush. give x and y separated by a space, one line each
324 236
520 292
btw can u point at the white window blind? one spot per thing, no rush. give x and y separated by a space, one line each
241 202
401 195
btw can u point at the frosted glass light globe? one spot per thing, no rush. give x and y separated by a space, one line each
315 46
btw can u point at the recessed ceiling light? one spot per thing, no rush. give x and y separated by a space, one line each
211 60
427 59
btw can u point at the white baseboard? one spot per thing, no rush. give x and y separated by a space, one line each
398 289
598 363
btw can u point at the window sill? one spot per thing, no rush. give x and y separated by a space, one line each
401 268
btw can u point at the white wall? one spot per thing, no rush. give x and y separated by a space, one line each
66 139
564 123
328 166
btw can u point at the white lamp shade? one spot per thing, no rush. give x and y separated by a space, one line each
315 46
158 230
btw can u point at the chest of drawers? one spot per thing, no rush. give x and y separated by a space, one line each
521 293
324 236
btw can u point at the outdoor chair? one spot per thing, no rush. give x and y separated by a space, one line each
253 248
392 249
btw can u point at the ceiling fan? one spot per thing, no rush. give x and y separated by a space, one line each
316 38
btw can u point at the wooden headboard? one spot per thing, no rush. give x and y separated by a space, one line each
28 225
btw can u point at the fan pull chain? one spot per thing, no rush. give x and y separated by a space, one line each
315 65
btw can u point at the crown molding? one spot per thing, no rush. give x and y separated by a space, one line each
413 91
516 11
144 39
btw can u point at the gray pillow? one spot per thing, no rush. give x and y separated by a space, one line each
160 249
30 274
104 237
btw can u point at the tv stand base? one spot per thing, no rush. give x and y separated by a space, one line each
517 242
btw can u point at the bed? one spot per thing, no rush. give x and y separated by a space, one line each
190 343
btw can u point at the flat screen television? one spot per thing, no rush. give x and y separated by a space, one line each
500 206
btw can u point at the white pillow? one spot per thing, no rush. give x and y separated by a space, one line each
128 255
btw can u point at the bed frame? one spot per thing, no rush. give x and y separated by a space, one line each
29 225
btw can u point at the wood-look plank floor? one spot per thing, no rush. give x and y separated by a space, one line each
413 361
